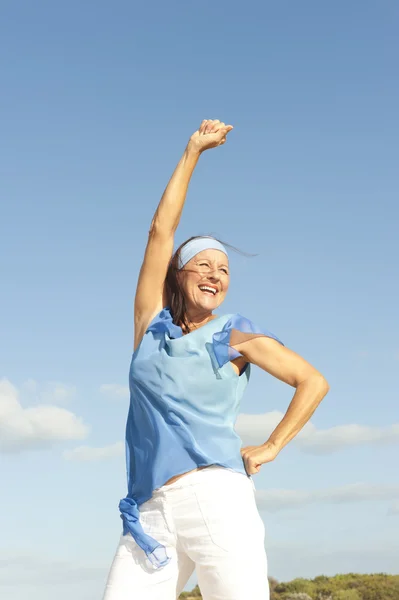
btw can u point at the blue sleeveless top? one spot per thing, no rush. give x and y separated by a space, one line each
184 401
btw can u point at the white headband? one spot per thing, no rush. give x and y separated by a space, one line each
198 245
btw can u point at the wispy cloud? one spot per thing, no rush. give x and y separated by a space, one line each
255 429
324 441
49 392
35 426
114 390
279 499
89 453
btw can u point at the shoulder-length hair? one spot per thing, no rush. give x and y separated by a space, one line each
174 294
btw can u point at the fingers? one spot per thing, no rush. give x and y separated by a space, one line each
222 133
216 126
252 466
251 463
207 125
213 126
202 126
252 469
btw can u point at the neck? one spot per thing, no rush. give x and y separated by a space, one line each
198 319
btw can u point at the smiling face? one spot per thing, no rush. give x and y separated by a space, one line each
204 281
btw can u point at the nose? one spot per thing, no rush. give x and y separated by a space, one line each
213 274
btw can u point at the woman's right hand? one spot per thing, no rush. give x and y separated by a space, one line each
212 133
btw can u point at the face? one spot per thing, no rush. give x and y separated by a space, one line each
205 281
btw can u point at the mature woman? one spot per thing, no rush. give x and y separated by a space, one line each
190 501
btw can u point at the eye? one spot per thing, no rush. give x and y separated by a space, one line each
225 271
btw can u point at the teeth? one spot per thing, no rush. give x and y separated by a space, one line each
205 288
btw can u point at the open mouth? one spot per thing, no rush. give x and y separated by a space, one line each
207 289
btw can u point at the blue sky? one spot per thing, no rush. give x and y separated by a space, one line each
98 101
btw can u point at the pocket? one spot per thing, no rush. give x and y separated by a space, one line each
132 563
213 513
153 521
147 522
225 505
153 524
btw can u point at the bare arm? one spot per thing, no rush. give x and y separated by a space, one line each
149 298
310 389
150 286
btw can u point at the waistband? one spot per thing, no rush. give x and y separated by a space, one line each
195 477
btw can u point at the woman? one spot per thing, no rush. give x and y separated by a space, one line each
190 501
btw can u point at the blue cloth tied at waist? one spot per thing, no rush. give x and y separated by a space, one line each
130 515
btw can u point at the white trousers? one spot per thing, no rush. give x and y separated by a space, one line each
208 521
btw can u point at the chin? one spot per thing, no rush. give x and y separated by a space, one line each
211 304
206 304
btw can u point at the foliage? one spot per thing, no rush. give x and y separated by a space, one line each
296 586
351 586
347 595
195 593
298 596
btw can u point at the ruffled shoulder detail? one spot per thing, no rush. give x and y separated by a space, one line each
236 330
163 323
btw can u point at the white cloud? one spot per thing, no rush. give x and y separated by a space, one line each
115 390
255 429
88 453
30 386
36 426
50 392
325 441
274 500
58 392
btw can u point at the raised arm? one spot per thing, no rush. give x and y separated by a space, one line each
150 293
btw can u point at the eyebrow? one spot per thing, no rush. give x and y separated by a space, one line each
208 260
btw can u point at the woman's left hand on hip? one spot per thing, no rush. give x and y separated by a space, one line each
256 456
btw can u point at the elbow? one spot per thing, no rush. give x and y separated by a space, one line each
318 384
322 384
326 387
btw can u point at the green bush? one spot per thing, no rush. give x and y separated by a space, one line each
352 586
347 595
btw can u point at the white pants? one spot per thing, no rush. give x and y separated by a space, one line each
207 520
